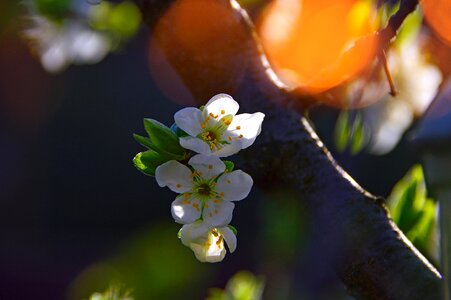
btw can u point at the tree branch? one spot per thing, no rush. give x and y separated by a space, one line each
370 254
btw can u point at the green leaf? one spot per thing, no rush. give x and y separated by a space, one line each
342 131
235 232
178 131
163 138
358 135
229 165
148 161
411 210
144 141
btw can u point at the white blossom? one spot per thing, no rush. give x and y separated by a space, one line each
208 243
217 130
207 192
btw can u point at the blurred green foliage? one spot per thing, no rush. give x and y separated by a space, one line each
413 212
150 264
121 20
410 28
242 286
385 11
55 10
350 132
283 225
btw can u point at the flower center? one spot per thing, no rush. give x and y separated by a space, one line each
204 189
213 130
209 136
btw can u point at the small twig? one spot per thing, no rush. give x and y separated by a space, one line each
386 35
383 59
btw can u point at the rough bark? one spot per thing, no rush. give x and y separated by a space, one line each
372 257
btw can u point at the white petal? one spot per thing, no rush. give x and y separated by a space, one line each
189 120
195 144
234 186
215 253
218 214
229 149
221 105
207 166
193 232
174 175
246 126
229 238
186 210
211 254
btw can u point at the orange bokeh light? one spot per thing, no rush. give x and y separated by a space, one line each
198 49
315 45
438 16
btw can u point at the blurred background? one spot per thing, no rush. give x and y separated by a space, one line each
78 77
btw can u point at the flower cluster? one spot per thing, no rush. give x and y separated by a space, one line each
186 159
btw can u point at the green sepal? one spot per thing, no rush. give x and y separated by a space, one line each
163 138
235 232
179 234
229 166
148 161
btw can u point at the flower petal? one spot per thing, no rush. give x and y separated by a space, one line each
229 238
174 175
246 127
207 166
221 105
195 144
212 254
229 149
234 186
218 214
186 210
189 119
193 232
